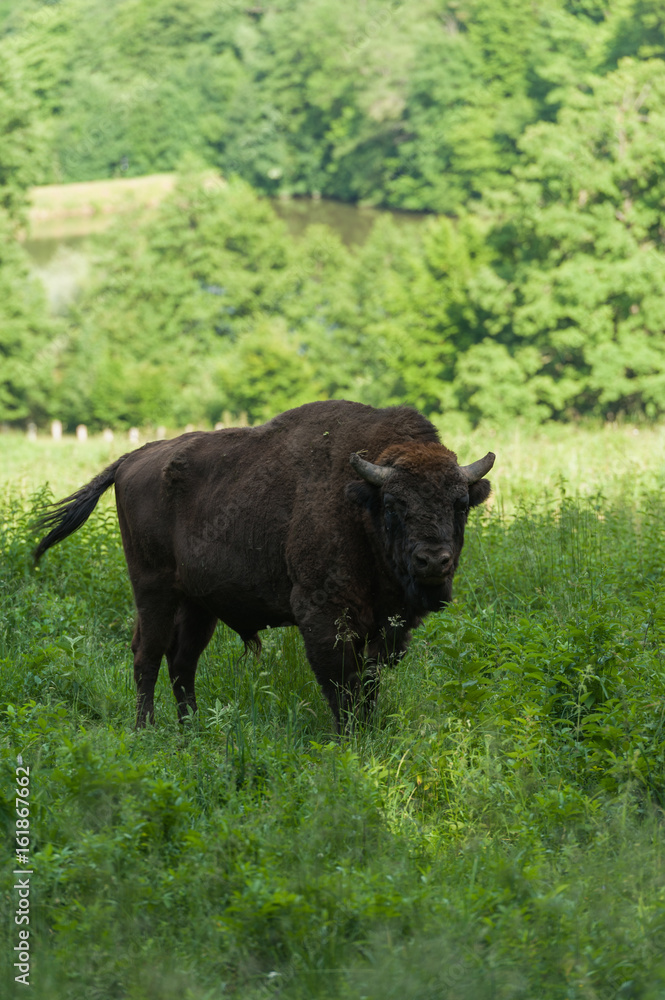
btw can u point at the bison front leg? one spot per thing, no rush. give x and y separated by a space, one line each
335 638
349 682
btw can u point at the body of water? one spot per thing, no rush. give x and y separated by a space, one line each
60 249
353 223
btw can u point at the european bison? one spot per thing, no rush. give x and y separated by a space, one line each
342 519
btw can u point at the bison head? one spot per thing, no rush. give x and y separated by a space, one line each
417 500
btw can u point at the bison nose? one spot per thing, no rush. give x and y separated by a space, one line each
433 564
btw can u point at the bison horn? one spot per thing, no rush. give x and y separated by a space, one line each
472 473
375 474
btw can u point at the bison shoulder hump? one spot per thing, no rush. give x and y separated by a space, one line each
177 472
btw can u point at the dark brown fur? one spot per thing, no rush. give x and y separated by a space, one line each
269 526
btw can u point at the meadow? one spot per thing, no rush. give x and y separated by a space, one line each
496 830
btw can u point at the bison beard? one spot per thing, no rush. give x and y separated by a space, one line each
342 519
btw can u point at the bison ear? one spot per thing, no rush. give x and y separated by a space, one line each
479 492
360 494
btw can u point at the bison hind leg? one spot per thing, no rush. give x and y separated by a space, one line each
152 637
194 627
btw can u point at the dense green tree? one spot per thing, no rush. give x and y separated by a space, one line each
574 293
537 130
266 372
168 300
209 306
24 328
26 334
640 32
417 105
22 146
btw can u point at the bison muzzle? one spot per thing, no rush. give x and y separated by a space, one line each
344 520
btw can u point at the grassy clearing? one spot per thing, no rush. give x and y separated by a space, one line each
59 210
496 832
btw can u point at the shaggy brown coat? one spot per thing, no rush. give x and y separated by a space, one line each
342 519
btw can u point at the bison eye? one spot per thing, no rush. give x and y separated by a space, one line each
461 505
391 505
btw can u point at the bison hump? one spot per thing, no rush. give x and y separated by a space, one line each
181 470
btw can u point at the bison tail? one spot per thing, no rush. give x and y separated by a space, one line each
66 516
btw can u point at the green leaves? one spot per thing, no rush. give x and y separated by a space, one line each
25 352
539 131
572 297
22 143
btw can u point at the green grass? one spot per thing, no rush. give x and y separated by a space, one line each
530 463
495 832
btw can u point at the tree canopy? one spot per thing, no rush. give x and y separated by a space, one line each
534 134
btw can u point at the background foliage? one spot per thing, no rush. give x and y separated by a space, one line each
536 132
419 104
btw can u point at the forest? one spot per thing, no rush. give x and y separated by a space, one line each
533 136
